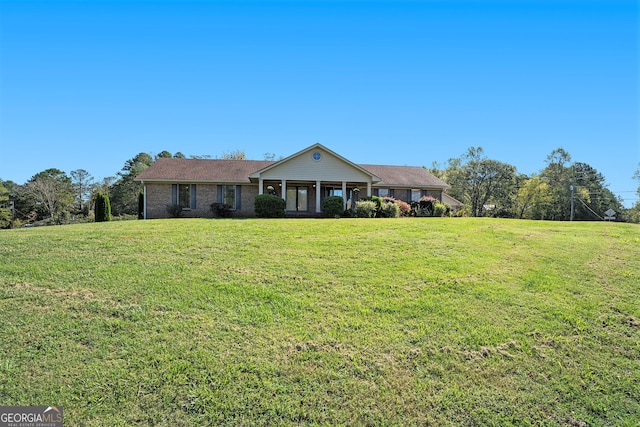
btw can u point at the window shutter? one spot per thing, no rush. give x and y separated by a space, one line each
219 193
376 192
423 193
409 196
174 194
392 193
193 196
238 196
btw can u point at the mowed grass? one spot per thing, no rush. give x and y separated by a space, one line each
323 322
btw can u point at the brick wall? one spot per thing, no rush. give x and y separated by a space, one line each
159 196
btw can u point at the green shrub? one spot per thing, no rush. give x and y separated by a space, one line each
220 210
102 207
333 206
389 209
174 210
140 205
365 209
441 209
269 206
378 201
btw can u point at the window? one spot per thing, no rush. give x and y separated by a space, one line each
332 191
297 198
383 192
229 195
184 195
416 195
317 156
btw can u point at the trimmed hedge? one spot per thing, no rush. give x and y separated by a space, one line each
333 206
269 206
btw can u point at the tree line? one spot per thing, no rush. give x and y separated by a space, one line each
561 191
55 197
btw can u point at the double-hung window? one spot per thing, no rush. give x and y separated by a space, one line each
229 195
184 195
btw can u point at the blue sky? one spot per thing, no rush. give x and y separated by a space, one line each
89 84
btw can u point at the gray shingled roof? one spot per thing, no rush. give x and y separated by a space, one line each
202 170
404 176
238 171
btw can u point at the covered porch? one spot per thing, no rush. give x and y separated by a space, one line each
305 197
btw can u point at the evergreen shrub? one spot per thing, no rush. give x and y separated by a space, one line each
102 208
269 206
140 205
441 209
174 210
365 209
333 206
389 209
220 210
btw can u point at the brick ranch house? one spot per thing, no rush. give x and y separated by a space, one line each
303 179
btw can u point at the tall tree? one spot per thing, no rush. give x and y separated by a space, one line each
83 185
52 191
163 155
558 174
532 198
23 204
592 197
633 214
124 192
5 212
478 181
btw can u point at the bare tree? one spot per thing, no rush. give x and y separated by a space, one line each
51 189
234 155
44 192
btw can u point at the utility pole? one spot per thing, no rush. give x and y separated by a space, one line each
12 207
572 207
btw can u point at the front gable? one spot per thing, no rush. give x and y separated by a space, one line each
315 163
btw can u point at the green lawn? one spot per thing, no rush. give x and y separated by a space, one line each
443 321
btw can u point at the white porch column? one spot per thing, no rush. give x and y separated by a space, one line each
284 189
318 207
344 194
260 186
369 189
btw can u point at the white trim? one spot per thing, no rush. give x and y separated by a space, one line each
318 187
344 194
144 201
316 146
283 192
